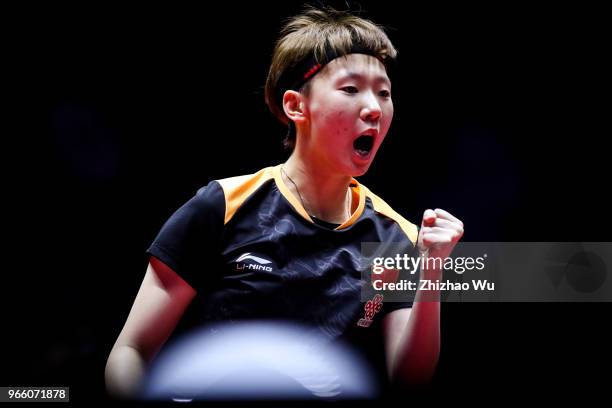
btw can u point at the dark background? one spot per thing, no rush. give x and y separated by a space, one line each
119 114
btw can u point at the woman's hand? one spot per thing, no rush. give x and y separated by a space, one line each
440 232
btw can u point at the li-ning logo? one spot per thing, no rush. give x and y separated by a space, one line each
259 266
371 308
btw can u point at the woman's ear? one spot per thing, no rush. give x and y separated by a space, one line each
293 105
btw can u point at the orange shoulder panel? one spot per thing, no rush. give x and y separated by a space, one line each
237 189
411 230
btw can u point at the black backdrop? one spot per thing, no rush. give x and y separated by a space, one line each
123 112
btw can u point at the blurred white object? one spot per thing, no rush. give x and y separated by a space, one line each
258 360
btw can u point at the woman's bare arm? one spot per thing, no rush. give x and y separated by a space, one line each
160 303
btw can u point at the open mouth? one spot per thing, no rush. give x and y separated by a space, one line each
363 145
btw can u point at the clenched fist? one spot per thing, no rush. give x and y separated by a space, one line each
439 233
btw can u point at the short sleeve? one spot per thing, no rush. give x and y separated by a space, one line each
190 240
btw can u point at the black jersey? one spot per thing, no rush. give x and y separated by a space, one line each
251 251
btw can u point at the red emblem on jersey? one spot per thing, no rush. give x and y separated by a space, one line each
371 308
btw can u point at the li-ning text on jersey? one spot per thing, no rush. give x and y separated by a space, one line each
252 262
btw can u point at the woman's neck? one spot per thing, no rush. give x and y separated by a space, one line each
324 195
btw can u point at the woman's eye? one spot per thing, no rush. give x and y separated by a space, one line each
385 94
350 89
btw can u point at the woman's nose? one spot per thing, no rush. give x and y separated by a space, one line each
371 110
370 113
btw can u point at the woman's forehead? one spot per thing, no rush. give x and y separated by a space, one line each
356 66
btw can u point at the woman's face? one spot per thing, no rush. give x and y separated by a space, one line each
348 112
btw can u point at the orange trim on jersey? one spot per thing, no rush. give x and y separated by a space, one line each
358 197
238 189
380 206
356 192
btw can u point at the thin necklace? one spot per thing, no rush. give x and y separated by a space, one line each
348 206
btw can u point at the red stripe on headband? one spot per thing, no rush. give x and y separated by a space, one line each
312 71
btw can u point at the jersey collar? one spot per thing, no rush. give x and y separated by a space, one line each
358 195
